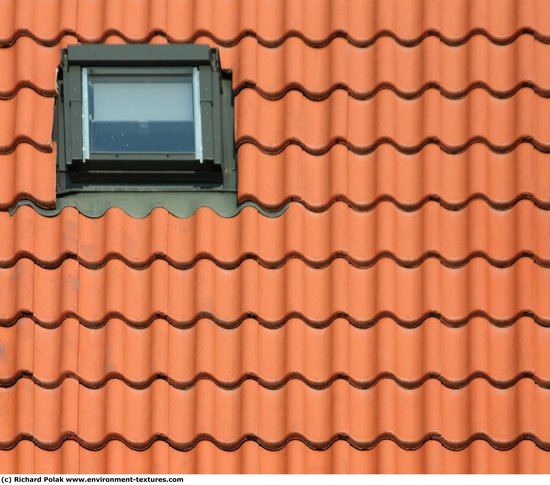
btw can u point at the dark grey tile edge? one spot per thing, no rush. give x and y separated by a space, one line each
141 204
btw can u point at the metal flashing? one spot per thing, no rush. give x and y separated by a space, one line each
141 204
140 54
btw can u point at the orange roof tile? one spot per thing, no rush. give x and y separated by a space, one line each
205 457
26 119
272 418
408 125
27 173
315 22
409 295
316 126
362 238
273 357
453 70
393 318
363 181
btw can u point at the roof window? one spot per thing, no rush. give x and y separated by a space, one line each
144 117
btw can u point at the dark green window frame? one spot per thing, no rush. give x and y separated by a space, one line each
215 170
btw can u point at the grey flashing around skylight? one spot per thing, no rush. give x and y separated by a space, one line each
144 118
141 204
141 54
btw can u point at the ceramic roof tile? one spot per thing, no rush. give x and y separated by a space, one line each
27 118
409 71
27 173
454 127
36 18
363 181
205 457
316 126
317 22
318 418
273 357
409 181
404 282
318 238
274 295
406 124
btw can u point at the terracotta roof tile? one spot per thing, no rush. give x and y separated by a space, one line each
362 181
409 71
28 64
27 173
27 118
454 128
316 126
315 22
409 181
36 18
273 417
318 238
205 457
274 295
406 124
273 357
404 283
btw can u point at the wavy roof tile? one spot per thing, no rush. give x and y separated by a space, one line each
274 357
272 418
318 238
316 23
404 280
274 295
454 71
206 457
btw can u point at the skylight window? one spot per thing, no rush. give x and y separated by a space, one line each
140 114
144 117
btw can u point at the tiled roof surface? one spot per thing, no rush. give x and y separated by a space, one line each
394 318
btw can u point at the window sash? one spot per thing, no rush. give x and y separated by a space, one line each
89 155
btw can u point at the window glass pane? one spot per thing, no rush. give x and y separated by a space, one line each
141 114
